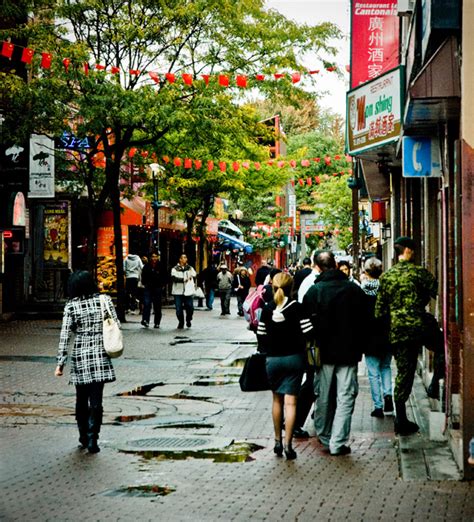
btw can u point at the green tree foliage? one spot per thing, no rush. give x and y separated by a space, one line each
126 110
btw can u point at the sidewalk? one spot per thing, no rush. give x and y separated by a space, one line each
167 453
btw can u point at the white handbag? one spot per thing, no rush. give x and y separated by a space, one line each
113 339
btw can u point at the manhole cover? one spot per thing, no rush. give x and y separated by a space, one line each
175 444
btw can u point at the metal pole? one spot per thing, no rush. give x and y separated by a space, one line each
156 207
355 220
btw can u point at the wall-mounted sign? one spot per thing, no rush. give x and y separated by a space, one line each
374 113
41 167
56 234
421 157
374 39
70 142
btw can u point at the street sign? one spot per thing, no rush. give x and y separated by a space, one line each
421 157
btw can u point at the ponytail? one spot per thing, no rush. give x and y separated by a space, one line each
282 284
278 296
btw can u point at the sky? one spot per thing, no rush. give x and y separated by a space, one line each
313 12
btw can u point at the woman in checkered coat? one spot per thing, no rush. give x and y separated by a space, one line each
90 365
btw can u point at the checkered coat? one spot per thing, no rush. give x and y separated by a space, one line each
89 361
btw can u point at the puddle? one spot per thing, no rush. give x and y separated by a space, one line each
184 395
146 490
140 390
236 452
33 410
219 380
131 418
189 425
181 341
236 363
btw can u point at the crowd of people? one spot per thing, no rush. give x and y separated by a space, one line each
314 327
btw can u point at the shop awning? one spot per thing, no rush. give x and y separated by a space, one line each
234 243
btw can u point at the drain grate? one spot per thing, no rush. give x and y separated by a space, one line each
169 443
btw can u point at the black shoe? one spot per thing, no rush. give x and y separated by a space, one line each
388 404
378 412
300 433
188 324
278 449
145 324
92 447
406 427
180 326
290 453
222 313
343 450
156 326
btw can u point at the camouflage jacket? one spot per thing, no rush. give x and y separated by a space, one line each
404 292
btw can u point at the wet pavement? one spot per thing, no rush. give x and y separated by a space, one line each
181 441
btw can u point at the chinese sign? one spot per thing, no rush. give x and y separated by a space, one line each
374 39
374 113
41 167
106 270
56 234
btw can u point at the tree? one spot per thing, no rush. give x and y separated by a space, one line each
130 109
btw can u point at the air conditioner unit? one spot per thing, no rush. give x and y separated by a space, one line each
405 7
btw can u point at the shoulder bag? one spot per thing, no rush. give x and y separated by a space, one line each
113 339
254 374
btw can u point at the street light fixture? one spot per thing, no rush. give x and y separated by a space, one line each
155 170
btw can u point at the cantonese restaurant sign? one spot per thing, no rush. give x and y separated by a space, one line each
374 113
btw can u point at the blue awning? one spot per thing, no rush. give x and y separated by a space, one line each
233 243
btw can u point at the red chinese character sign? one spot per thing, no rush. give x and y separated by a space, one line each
374 39
374 113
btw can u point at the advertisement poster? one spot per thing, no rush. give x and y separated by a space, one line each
106 270
56 234
374 39
374 113
41 167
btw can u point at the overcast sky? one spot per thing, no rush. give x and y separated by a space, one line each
313 12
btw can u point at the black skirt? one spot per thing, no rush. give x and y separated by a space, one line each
285 373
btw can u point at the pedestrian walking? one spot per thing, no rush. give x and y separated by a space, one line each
282 333
209 282
224 285
262 273
405 290
90 365
336 306
153 280
184 286
132 267
241 285
378 354
301 274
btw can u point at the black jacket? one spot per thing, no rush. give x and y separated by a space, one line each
338 310
152 277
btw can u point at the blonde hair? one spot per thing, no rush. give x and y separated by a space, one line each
282 284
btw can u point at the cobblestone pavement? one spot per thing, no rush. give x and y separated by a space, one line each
178 390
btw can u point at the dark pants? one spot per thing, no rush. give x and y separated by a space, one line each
240 303
89 410
184 303
131 286
210 298
152 296
306 398
225 300
406 357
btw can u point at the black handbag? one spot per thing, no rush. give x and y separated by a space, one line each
254 374
432 335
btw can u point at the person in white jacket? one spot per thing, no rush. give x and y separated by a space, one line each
183 277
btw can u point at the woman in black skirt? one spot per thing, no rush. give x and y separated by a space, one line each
282 333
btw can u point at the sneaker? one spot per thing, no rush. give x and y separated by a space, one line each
300 433
378 412
388 404
406 428
145 324
343 450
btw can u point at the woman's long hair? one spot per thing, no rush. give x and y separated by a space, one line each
282 284
81 284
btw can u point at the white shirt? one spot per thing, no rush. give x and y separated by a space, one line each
307 283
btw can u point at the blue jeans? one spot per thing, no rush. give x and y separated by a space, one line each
210 298
380 377
152 296
338 389
184 302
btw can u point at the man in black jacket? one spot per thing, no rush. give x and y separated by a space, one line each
337 308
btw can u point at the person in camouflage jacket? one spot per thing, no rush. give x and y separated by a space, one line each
404 292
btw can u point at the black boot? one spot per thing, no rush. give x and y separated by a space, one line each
402 425
95 422
82 419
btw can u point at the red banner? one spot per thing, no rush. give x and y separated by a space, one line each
374 39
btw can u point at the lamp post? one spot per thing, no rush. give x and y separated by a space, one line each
155 170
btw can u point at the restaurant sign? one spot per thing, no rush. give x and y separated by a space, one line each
374 112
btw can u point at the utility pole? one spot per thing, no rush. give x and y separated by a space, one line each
155 170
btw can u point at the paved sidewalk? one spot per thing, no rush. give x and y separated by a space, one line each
169 423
